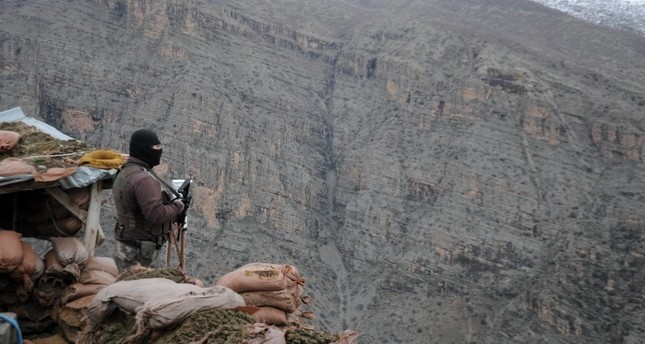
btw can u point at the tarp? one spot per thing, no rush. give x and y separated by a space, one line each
83 176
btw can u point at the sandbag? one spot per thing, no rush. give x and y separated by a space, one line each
261 277
52 266
44 214
53 174
129 295
15 167
294 319
71 317
106 264
56 272
10 250
8 140
159 302
79 196
69 251
287 299
8 291
270 316
29 270
271 335
38 207
268 335
91 276
78 290
347 337
56 227
48 290
290 271
164 312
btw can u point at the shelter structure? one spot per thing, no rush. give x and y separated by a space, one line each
46 188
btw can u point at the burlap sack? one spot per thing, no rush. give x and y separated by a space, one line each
347 337
91 276
37 207
71 317
79 196
106 264
78 290
295 319
159 302
10 250
164 312
261 277
271 316
15 167
44 213
53 174
69 251
56 227
271 335
52 266
30 269
287 299
129 295
261 334
8 140
56 272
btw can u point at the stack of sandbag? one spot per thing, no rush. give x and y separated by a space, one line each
42 216
276 289
71 310
157 303
63 265
20 263
20 270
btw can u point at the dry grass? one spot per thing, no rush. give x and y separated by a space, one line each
41 149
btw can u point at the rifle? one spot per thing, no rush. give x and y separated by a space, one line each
183 193
186 198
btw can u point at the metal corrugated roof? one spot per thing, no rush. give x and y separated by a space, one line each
16 115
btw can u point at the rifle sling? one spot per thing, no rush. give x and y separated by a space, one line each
168 186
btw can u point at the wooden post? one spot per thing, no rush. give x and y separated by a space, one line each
93 229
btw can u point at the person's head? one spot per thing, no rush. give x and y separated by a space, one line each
145 145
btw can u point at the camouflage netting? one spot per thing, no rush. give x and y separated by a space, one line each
226 326
214 326
139 272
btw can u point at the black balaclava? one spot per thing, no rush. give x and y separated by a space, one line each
141 144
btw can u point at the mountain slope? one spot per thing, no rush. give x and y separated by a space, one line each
440 171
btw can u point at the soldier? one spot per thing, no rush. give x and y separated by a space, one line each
145 212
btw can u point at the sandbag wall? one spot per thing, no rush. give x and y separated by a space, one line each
52 290
37 214
276 289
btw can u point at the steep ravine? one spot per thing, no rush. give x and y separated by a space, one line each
329 252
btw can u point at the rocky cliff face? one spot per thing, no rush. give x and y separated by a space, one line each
440 171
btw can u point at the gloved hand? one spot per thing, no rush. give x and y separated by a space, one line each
180 204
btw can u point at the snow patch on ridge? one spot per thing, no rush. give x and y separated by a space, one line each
619 14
